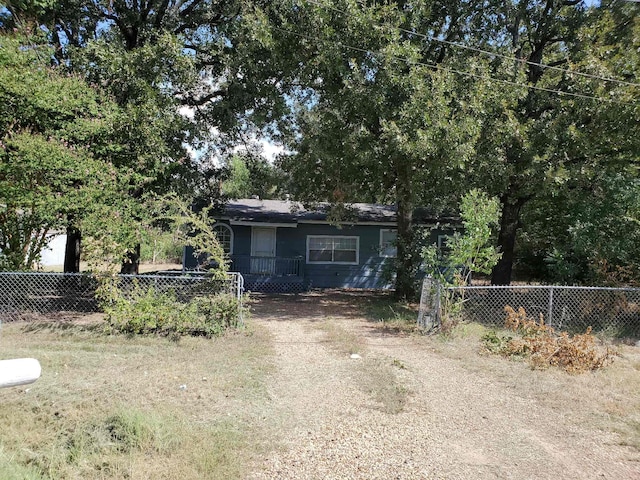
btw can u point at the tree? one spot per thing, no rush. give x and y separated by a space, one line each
469 252
600 201
47 172
380 115
206 55
588 239
411 103
415 104
251 175
557 134
157 58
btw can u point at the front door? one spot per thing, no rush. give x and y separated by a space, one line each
263 250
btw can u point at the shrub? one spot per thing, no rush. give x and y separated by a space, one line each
151 312
212 315
471 251
544 347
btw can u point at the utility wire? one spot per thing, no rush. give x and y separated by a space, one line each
493 54
459 72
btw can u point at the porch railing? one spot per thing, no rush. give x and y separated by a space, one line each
278 266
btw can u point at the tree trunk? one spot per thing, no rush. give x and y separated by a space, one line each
72 250
406 257
131 263
509 225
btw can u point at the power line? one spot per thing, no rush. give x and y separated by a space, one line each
459 72
494 54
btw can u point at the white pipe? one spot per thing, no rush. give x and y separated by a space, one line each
19 371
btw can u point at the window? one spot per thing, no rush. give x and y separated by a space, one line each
329 249
225 237
388 246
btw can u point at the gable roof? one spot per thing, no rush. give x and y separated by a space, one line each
290 212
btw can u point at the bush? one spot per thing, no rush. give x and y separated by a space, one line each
211 315
151 312
544 347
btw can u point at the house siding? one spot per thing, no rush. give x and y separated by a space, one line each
367 273
370 271
292 242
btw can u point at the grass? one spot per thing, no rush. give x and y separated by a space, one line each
132 407
340 339
390 314
113 407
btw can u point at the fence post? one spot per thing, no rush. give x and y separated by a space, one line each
438 312
550 310
239 291
425 298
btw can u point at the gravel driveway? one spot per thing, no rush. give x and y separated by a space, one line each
414 407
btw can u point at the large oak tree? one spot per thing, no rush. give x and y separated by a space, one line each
187 74
49 124
380 115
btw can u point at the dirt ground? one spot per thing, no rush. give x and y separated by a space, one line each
408 406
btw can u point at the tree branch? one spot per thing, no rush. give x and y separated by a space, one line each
200 101
162 11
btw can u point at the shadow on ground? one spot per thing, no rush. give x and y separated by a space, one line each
378 308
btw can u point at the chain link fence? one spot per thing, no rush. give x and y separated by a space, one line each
31 295
612 311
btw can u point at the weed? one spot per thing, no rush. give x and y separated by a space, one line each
398 364
340 339
494 343
10 469
116 411
630 434
376 377
544 347
379 380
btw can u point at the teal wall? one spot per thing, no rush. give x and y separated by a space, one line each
367 274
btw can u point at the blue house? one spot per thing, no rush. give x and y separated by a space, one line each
280 246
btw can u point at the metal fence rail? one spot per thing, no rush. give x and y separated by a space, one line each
279 266
615 311
25 295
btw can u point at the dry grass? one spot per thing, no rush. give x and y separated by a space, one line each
377 376
606 400
341 340
112 407
136 408
391 316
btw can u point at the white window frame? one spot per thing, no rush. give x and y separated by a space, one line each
383 248
357 262
230 230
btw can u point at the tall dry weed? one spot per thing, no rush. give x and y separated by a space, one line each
544 347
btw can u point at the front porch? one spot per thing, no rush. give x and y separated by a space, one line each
270 274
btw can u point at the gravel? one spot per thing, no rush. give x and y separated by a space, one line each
470 417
